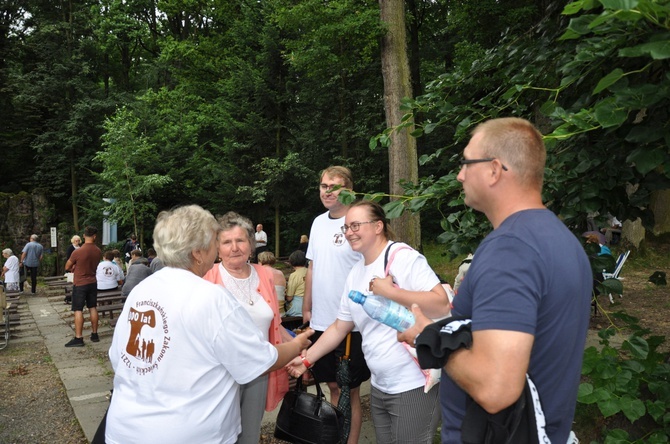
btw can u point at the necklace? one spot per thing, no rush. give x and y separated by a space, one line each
241 287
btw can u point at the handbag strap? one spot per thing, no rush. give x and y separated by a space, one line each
299 387
389 260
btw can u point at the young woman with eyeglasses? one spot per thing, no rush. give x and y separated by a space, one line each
401 411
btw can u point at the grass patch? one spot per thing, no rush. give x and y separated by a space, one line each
439 261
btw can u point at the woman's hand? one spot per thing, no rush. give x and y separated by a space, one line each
296 367
303 339
382 286
420 322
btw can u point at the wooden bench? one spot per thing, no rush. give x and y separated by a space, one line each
110 308
109 302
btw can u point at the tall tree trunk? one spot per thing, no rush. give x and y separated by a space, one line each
277 230
276 201
403 162
414 53
74 188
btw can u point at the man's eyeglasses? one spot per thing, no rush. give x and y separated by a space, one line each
488 159
355 226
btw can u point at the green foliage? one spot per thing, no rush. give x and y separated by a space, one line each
125 180
595 87
631 382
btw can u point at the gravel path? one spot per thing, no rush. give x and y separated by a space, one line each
33 406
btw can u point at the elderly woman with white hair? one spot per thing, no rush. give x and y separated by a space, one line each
10 271
75 243
183 345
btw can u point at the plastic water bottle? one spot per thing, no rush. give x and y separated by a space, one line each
384 310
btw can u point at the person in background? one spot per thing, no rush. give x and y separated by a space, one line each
593 239
304 243
527 292
119 262
401 411
268 260
134 255
151 255
295 290
75 243
83 263
462 271
130 245
156 264
10 271
30 259
330 260
137 272
261 239
252 286
107 274
185 346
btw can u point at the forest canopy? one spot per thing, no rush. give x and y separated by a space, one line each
238 105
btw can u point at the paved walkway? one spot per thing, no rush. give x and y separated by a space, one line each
86 371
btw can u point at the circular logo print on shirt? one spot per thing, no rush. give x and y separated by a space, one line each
149 337
338 239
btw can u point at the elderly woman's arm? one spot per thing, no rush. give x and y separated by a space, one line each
289 350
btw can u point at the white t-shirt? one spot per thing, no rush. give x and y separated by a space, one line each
392 367
180 350
108 275
261 238
333 259
12 273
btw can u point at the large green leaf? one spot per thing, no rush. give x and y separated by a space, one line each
646 159
631 407
638 347
625 5
657 50
580 25
611 286
642 134
394 209
609 114
609 407
608 80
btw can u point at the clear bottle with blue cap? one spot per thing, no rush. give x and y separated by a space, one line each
384 310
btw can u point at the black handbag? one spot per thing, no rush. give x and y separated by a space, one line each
306 418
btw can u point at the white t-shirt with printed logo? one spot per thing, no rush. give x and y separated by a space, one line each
108 275
180 350
333 259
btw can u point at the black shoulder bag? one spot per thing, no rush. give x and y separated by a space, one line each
306 418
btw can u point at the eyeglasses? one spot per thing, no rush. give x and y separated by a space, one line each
355 226
464 162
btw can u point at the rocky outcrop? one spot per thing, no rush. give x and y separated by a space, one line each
24 214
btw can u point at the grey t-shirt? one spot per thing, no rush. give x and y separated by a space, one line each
33 252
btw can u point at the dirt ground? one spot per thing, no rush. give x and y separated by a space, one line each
35 409
33 405
648 302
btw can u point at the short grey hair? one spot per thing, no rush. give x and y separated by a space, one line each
7 251
181 231
231 220
34 237
74 238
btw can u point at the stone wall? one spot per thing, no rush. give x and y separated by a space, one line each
24 214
